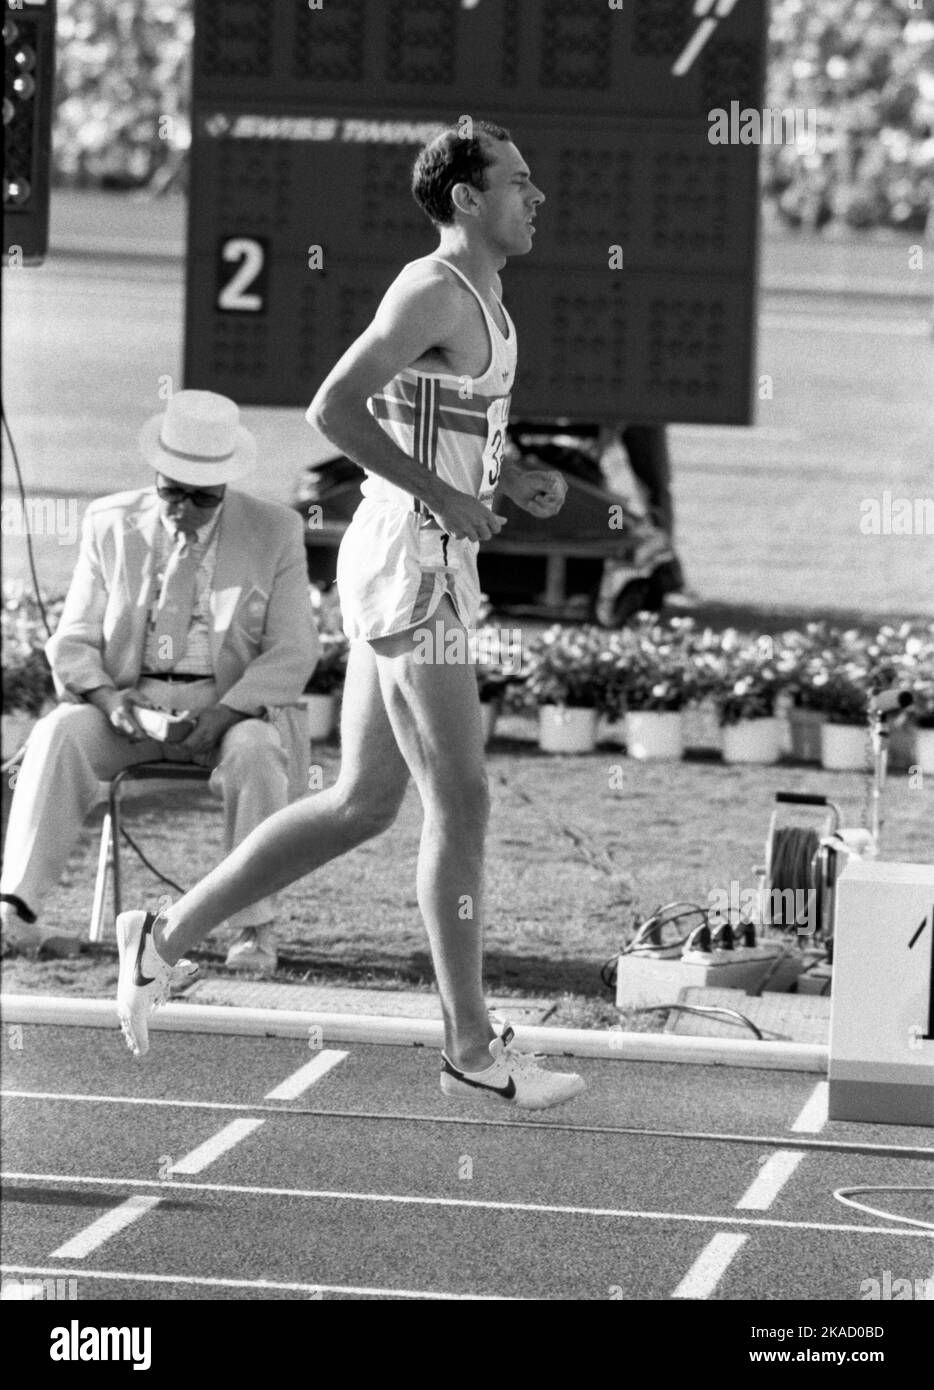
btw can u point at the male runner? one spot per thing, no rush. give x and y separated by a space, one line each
420 400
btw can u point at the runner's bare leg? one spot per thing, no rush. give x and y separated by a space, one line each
434 711
363 802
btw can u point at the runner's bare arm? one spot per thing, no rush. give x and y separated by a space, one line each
418 315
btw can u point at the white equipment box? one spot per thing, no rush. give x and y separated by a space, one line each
882 1011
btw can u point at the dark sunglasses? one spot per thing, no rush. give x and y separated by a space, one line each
203 500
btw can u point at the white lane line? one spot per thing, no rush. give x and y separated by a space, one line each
218 1144
110 1224
295 1085
710 1266
406 1200
782 1164
769 1181
714 1260
814 1115
196 1281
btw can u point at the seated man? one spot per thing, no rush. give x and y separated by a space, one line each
188 598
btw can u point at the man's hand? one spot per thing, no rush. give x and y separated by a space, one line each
118 706
462 516
540 491
210 727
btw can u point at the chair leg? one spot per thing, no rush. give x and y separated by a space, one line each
115 819
104 862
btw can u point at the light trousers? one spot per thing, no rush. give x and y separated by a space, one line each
73 749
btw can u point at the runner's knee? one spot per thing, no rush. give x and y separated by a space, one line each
462 804
367 812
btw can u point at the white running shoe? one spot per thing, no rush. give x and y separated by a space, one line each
144 978
514 1076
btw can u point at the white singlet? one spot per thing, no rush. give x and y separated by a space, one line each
395 564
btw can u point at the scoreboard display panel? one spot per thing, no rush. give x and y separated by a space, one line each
637 300
28 79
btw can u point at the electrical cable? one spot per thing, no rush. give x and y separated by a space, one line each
29 549
709 1009
844 1194
151 867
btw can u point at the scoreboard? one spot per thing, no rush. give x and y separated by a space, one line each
637 300
28 77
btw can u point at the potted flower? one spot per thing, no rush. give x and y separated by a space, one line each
747 697
27 677
803 719
916 673
568 676
656 681
836 682
497 660
327 679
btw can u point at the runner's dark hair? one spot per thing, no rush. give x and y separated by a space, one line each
452 158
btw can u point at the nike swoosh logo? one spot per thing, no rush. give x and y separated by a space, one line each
138 977
507 1092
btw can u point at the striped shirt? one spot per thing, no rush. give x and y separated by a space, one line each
453 426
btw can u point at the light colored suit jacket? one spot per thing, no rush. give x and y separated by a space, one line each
264 644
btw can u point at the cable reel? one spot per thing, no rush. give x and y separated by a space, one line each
801 867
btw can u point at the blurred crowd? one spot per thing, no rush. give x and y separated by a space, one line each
122 90
867 67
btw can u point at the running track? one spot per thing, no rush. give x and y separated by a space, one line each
245 1168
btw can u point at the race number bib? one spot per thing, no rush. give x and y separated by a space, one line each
497 420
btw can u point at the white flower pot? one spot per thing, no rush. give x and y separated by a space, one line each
752 741
654 734
924 749
489 709
564 730
321 712
844 747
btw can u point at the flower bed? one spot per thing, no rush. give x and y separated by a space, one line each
649 666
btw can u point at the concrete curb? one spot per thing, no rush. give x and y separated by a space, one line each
420 1032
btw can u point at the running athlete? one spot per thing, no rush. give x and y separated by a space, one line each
421 402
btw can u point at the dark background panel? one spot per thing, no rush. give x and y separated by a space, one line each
659 190
543 55
306 125
644 347
29 76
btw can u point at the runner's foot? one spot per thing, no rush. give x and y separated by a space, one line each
144 980
516 1077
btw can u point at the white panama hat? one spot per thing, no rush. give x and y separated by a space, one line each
199 440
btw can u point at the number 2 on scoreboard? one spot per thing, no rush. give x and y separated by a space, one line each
243 292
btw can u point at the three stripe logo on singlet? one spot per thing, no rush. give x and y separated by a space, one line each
425 425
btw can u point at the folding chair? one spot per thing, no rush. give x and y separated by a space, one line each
109 853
